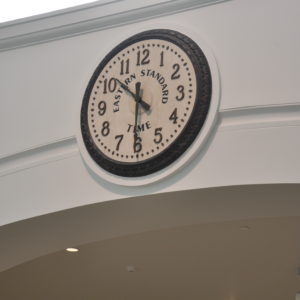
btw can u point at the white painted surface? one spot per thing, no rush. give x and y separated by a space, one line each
259 65
231 157
254 142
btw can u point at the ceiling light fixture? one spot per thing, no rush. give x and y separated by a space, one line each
72 249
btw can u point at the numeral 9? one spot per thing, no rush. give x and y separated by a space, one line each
102 108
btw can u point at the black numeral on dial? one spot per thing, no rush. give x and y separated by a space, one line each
105 128
119 138
180 89
173 117
175 74
137 146
161 59
109 85
124 67
158 135
144 60
102 108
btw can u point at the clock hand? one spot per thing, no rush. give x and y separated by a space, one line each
145 105
137 96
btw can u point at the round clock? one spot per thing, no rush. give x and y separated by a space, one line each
146 103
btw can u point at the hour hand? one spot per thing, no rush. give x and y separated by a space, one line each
137 98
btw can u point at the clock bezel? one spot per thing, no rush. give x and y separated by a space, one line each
193 126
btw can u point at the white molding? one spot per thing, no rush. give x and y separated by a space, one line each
232 119
39 155
88 18
241 118
57 13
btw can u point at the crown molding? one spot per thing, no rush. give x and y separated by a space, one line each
87 18
254 117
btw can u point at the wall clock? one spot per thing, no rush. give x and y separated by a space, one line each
146 103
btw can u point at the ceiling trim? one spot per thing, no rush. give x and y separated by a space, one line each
39 155
88 18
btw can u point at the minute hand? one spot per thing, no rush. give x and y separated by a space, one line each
136 98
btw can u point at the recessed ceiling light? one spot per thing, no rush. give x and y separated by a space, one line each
72 249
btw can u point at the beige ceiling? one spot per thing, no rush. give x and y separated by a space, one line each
212 261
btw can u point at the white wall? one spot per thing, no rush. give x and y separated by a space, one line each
46 64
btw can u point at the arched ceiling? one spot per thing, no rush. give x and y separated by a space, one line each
239 242
232 260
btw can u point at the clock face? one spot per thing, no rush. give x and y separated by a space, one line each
146 103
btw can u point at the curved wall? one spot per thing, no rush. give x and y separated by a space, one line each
47 61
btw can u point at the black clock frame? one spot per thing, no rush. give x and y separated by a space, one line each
192 127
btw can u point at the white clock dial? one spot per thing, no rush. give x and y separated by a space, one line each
140 101
168 86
